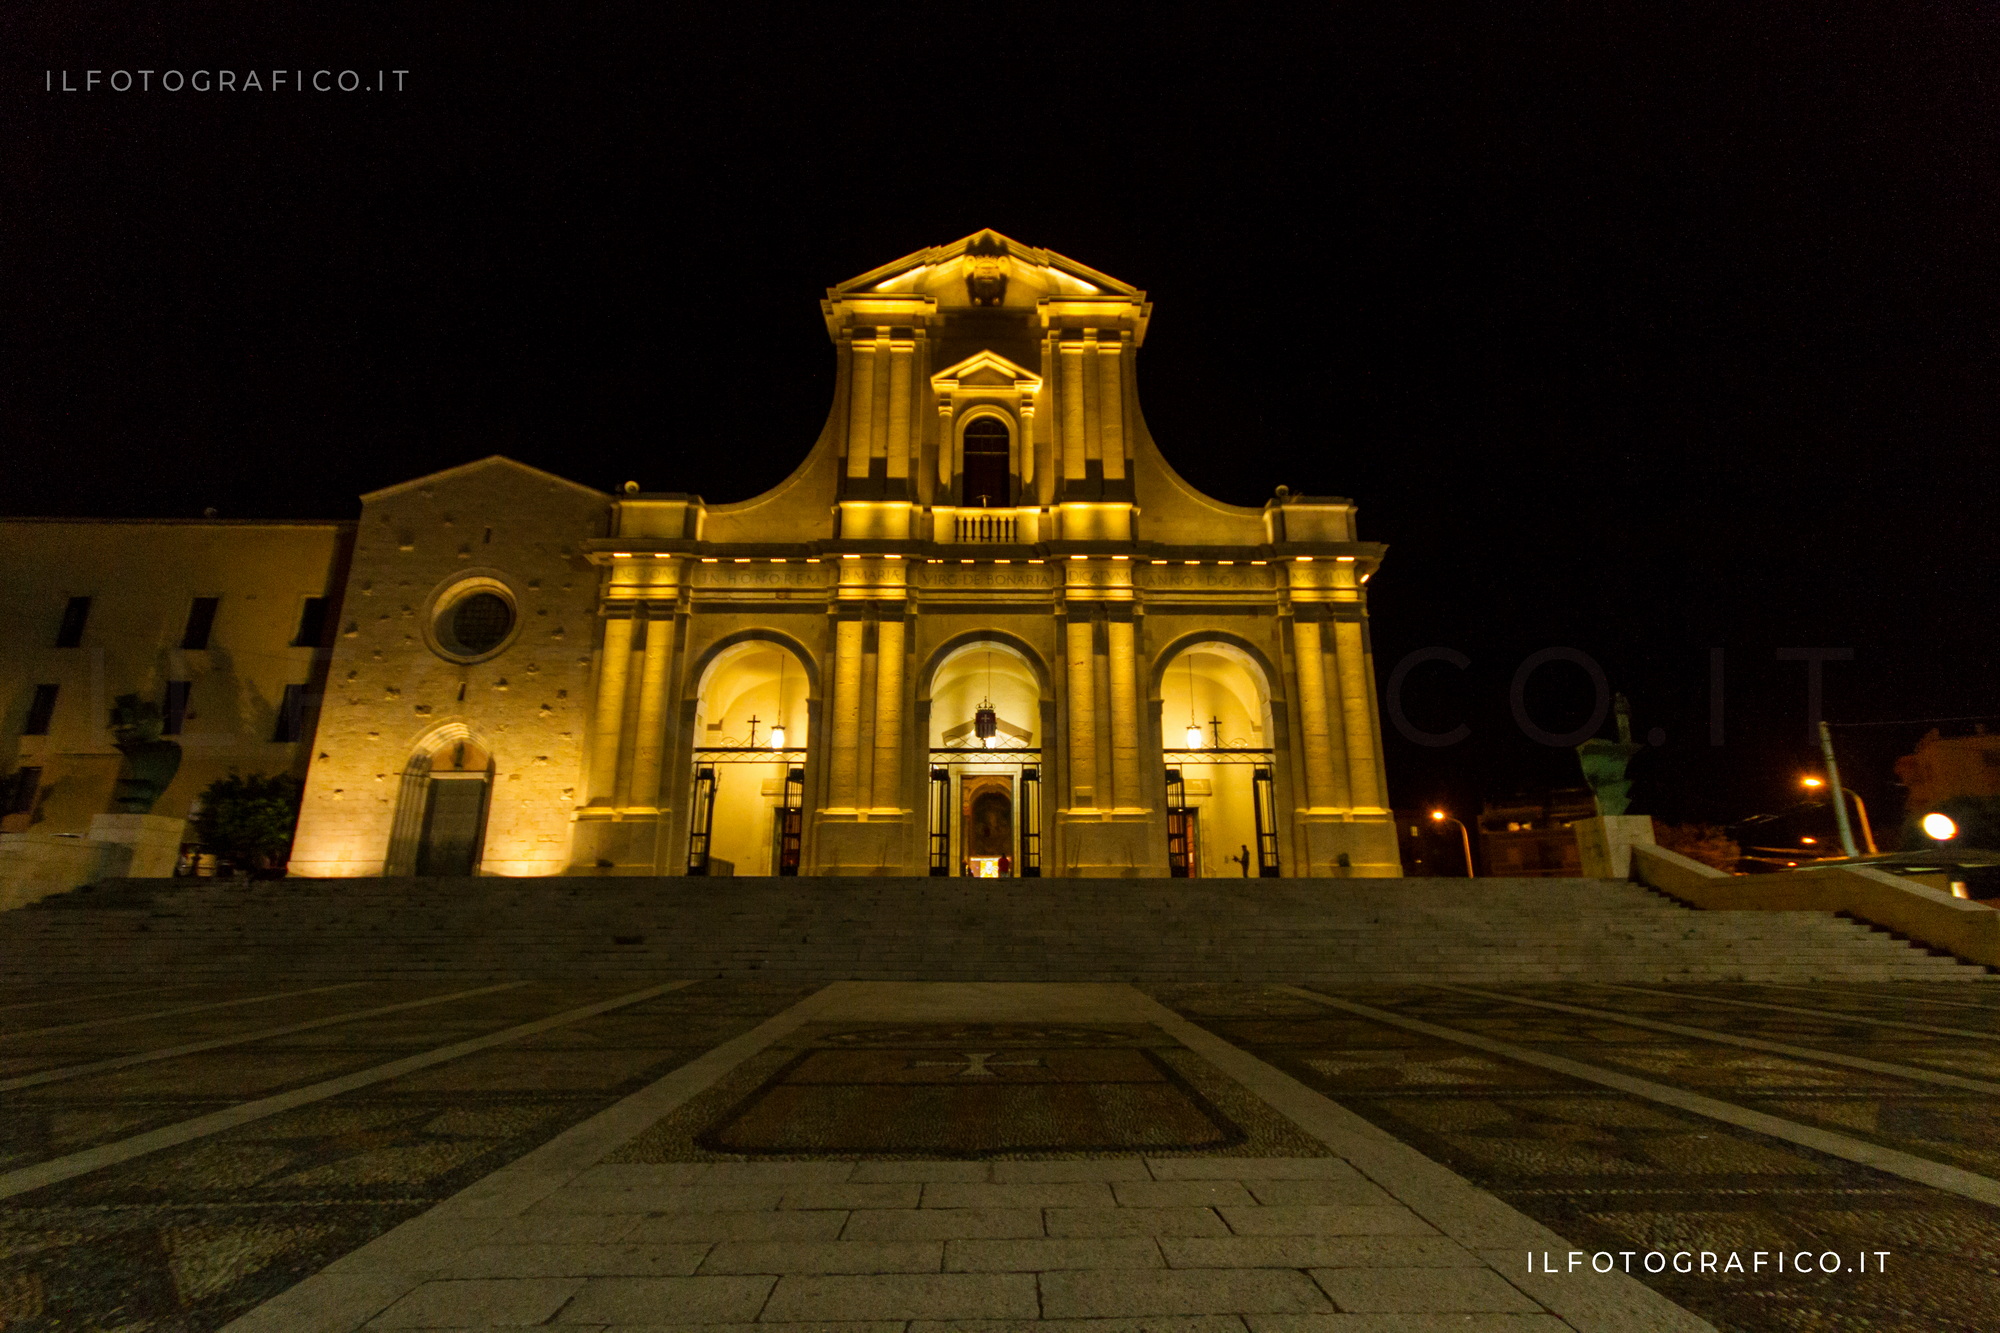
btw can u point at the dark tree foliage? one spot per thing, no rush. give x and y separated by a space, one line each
247 822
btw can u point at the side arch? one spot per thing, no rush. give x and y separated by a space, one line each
698 670
1272 680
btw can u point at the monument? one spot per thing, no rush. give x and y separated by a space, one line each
1605 841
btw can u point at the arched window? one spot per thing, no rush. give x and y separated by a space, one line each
988 475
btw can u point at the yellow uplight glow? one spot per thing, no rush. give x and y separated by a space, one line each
1812 783
1938 827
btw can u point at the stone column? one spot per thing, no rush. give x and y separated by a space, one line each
1093 401
1363 765
648 749
844 764
1125 729
900 447
1082 713
608 722
860 402
1111 405
887 779
1070 400
1326 783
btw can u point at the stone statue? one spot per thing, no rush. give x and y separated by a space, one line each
1604 763
150 761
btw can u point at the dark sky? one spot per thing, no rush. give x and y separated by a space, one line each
1632 332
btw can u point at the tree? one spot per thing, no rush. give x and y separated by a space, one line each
1709 844
247 822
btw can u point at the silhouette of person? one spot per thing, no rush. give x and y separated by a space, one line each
1242 859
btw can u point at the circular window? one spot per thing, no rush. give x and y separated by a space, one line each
480 623
473 620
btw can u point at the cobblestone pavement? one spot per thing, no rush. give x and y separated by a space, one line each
1614 1170
923 1156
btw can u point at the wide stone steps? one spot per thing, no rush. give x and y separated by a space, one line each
1335 932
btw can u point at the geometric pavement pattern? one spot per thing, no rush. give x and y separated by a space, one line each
189 1237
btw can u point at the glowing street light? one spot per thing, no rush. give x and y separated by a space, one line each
1440 817
1938 826
1812 783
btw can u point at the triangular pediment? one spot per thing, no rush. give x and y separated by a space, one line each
1044 271
450 474
987 370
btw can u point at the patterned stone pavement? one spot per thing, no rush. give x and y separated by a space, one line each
190 1237
1613 1171
762 1154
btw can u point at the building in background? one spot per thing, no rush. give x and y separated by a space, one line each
1941 767
1531 836
226 625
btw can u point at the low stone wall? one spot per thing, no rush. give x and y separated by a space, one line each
35 865
1930 916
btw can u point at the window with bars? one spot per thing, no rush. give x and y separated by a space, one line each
200 622
988 474
291 715
17 794
312 623
70 633
174 712
41 709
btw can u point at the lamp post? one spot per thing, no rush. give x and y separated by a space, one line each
1833 780
1860 807
1440 817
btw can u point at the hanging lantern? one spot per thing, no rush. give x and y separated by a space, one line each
777 738
985 723
1193 737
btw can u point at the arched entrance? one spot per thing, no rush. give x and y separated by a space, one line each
748 808
985 763
440 826
1216 732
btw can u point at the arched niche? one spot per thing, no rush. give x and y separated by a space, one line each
1217 734
442 804
751 735
977 670
765 678
988 459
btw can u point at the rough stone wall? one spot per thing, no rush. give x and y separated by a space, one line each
392 694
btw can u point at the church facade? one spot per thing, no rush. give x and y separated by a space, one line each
983 628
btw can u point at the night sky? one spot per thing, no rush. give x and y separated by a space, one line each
1635 332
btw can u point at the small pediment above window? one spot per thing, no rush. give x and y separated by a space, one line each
987 370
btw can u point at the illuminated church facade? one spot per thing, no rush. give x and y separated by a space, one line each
983 628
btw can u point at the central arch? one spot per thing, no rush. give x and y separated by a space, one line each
984 807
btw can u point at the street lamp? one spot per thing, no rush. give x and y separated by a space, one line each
1440 817
1938 826
1867 833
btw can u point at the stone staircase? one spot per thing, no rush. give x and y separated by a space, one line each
1330 932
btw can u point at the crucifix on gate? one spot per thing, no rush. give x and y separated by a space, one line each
975 1064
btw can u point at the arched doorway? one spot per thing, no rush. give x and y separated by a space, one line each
748 808
440 826
1216 733
985 763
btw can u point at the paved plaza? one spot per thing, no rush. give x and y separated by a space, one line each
1204 1158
